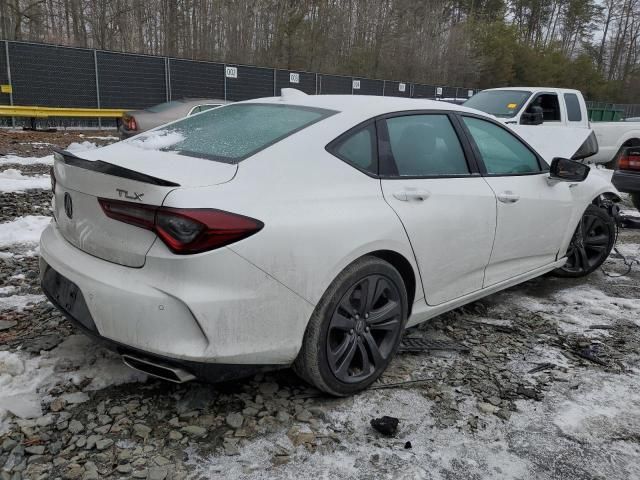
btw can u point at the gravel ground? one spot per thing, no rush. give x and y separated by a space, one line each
549 388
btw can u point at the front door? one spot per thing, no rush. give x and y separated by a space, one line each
446 207
533 216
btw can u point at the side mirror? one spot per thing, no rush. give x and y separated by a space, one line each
568 170
533 116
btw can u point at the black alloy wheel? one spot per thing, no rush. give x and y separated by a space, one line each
364 328
591 243
355 329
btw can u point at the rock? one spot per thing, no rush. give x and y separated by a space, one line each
504 414
494 400
73 472
175 435
487 407
75 398
304 416
268 388
283 416
104 443
250 412
124 468
7 324
280 459
143 473
408 445
35 450
91 441
117 410
75 426
57 405
141 430
234 420
385 425
194 430
161 461
298 437
157 473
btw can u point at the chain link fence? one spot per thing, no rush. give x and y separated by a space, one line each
56 76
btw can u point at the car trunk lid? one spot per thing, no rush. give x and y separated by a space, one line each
121 172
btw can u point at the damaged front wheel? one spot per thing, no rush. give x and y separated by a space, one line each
591 243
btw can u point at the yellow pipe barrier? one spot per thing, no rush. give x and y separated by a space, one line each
45 112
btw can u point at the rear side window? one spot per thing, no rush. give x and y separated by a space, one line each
232 133
574 114
358 149
502 153
425 145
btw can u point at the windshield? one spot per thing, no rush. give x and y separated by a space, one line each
231 133
501 103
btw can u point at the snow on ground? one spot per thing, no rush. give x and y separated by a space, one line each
25 381
74 147
15 159
12 180
19 302
23 230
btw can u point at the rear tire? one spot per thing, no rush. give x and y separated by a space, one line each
591 243
355 329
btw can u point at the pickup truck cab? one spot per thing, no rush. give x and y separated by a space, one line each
537 114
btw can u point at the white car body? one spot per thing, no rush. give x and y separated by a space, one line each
563 136
249 303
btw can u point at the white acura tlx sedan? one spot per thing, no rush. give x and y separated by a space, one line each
308 231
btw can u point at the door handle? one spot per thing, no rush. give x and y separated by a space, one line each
508 197
412 194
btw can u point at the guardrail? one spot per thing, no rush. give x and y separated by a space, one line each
35 112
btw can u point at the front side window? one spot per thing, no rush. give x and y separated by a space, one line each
574 113
425 145
359 149
231 133
501 152
549 104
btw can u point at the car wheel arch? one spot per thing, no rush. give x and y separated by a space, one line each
406 270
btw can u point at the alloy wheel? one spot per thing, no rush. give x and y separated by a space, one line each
589 245
364 328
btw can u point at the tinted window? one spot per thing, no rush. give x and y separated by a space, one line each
231 133
573 107
502 153
359 149
549 104
426 145
501 103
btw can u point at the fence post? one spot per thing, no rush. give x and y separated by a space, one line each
6 51
167 79
95 69
384 84
224 73
274 83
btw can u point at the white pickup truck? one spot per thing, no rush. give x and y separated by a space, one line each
536 113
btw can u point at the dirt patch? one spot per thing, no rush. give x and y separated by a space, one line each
39 144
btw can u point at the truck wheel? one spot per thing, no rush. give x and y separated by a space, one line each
591 243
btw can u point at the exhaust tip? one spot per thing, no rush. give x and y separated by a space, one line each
158 370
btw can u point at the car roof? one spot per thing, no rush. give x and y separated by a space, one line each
536 89
366 106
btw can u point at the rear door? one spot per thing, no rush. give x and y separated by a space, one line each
430 180
533 215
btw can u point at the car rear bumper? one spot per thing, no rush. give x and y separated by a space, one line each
213 308
628 182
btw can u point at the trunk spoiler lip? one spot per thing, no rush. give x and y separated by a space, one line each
107 168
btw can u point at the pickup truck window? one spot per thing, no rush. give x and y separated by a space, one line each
550 106
574 114
501 103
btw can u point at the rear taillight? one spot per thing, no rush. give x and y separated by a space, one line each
131 123
630 160
184 230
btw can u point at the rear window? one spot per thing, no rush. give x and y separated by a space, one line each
232 133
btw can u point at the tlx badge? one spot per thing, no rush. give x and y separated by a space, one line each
129 196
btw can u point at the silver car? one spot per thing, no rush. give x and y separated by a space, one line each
137 121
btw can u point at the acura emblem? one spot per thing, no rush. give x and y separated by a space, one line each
68 205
